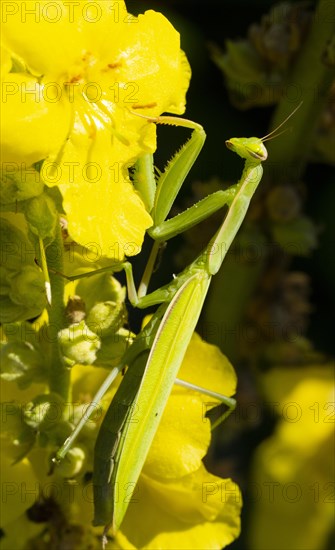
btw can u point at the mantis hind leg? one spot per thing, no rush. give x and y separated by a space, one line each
223 399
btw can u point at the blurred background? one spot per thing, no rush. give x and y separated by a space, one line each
271 307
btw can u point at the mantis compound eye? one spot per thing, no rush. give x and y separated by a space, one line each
260 153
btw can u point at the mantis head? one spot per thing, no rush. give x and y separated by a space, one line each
253 148
248 148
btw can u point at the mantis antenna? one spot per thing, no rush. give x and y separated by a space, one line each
271 134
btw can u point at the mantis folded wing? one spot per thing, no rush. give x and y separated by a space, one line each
167 352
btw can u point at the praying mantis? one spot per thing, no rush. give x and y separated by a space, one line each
155 356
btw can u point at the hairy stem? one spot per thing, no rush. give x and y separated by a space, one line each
59 380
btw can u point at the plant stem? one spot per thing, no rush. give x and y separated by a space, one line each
309 82
59 380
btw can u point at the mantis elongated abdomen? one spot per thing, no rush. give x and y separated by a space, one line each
166 355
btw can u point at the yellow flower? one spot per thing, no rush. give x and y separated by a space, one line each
82 72
293 469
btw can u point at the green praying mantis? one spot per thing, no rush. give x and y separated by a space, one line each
156 354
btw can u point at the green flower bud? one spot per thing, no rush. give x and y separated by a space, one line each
106 317
28 288
10 312
72 463
256 69
113 348
42 216
18 185
54 434
17 437
4 282
78 344
16 249
100 288
22 294
21 363
44 412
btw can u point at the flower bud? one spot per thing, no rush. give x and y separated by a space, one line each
113 348
78 344
28 288
15 246
106 317
22 290
44 412
72 463
18 185
21 363
42 216
100 288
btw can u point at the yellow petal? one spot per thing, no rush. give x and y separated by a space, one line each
200 511
118 222
32 127
292 469
205 365
101 23
45 34
98 198
19 489
6 62
184 429
304 404
150 59
86 381
181 441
